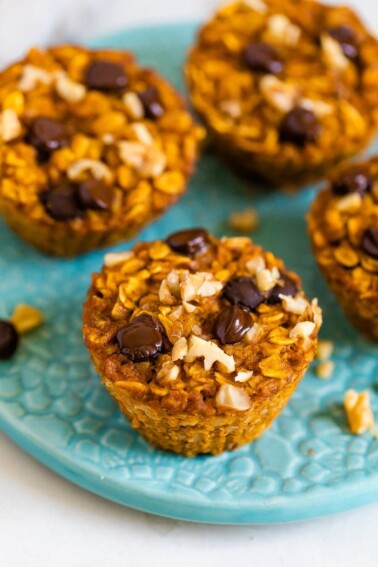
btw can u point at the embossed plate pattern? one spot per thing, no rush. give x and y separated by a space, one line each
55 407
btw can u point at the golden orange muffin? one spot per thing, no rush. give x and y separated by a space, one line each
286 88
92 147
201 341
343 226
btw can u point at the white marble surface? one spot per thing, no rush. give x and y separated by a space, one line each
44 520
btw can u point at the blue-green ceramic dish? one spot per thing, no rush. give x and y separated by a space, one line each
54 406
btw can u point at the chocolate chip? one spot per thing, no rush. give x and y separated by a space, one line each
299 127
153 108
243 292
346 37
231 325
352 182
370 242
288 287
189 242
262 57
142 339
105 76
46 135
61 202
8 340
94 194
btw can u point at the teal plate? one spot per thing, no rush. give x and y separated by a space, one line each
54 406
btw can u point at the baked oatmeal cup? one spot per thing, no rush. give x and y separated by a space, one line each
286 88
343 226
201 341
92 147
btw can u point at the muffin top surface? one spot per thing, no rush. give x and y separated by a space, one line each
343 224
194 323
273 74
89 138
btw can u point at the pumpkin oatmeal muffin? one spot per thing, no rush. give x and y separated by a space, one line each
92 147
343 226
201 341
286 88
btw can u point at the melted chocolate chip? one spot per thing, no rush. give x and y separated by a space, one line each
106 76
46 135
299 127
142 339
61 202
93 194
153 108
346 37
8 340
352 182
369 243
243 292
288 287
189 242
231 325
262 57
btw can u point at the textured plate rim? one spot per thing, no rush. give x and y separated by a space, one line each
307 506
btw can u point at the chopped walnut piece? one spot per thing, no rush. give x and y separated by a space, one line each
31 76
278 94
201 284
256 264
243 375
324 350
142 133
231 107
132 153
180 349
252 334
257 5
10 126
26 318
229 396
68 89
188 287
267 279
114 258
302 329
244 221
349 203
325 369
318 107
168 372
133 105
333 53
281 29
296 304
97 168
358 410
210 352
154 163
